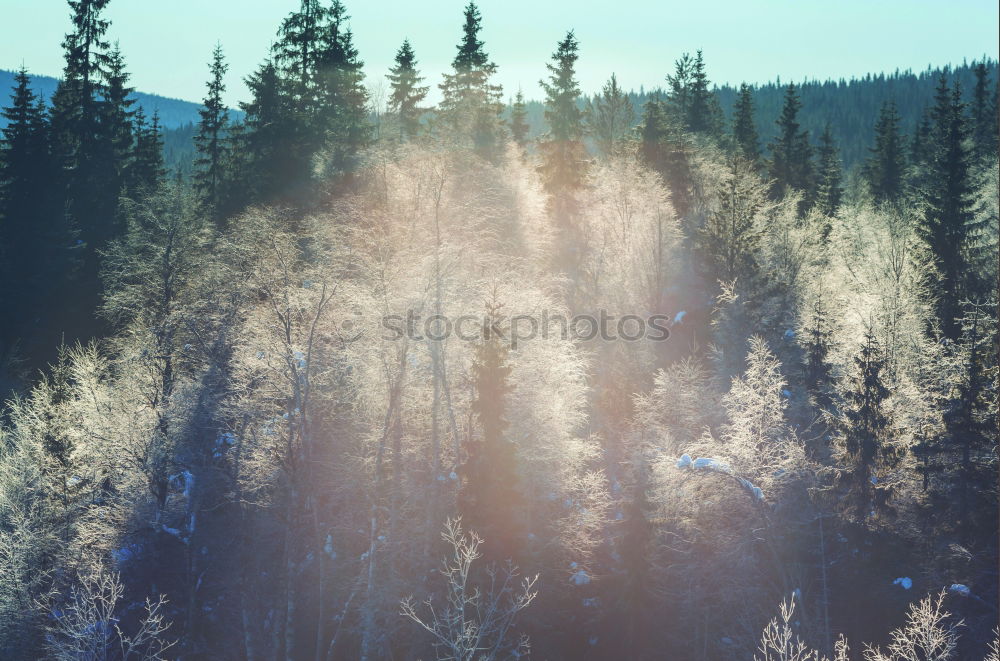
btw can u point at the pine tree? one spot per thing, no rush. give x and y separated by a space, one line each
829 189
679 83
984 113
732 232
704 114
866 433
407 92
471 102
147 172
791 165
342 119
210 140
563 154
116 119
519 121
744 127
297 53
267 138
665 148
34 238
818 338
489 499
610 117
971 418
885 168
950 227
76 123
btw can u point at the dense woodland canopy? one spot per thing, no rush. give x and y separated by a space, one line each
214 448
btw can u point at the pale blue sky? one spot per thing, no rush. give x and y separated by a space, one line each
167 44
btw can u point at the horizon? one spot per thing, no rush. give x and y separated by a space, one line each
912 37
642 89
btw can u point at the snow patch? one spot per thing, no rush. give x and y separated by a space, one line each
960 589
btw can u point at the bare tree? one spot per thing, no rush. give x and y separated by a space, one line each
928 634
476 623
87 627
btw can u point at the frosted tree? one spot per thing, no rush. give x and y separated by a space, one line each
475 622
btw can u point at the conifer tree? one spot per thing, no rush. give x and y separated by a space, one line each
267 137
563 154
678 102
76 123
665 148
950 227
610 117
704 115
297 53
732 232
34 238
829 189
147 172
342 118
471 101
866 433
210 140
885 167
116 118
407 92
490 500
791 165
970 418
519 121
744 128
818 338
984 113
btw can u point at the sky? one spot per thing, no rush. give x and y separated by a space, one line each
167 44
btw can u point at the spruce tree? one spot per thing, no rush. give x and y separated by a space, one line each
147 172
563 154
210 140
950 228
829 189
76 124
297 53
665 148
519 121
407 92
678 102
116 123
731 235
817 367
610 117
342 123
791 166
970 418
885 167
268 137
744 128
704 115
471 101
34 237
984 113
89 180
866 434
490 499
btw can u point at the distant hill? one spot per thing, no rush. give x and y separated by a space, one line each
174 113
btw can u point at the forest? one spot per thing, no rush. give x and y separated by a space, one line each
699 373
